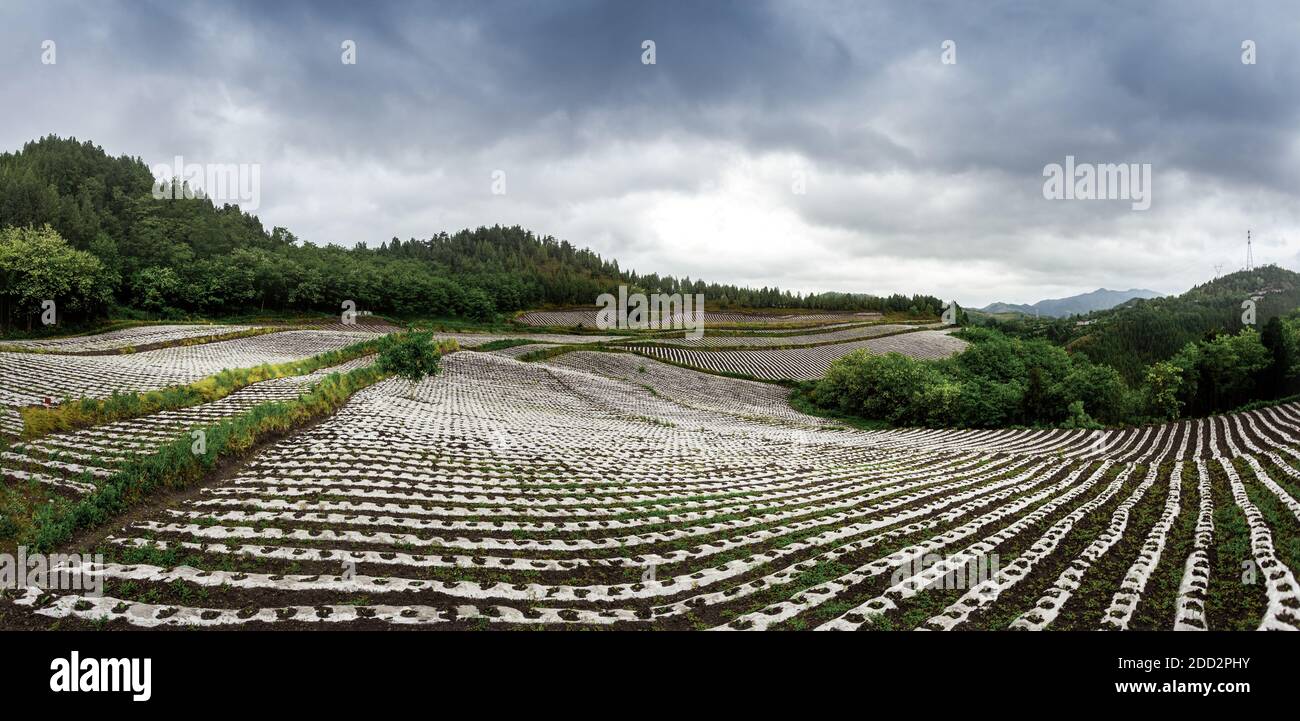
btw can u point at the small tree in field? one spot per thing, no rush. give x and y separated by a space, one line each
411 356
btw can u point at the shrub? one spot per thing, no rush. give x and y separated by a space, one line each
412 356
888 387
1160 389
1079 418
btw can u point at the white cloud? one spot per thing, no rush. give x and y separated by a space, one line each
920 177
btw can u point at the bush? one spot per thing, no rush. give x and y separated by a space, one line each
1160 388
479 305
1102 391
412 356
37 264
1001 381
986 403
996 382
1079 418
889 387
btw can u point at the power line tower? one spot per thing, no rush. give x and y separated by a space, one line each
1218 268
1250 260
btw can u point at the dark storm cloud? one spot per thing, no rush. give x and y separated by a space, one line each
685 166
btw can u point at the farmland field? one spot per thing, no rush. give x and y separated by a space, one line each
28 379
73 461
805 338
804 363
140 335
470 340
587 317
610 490
323 325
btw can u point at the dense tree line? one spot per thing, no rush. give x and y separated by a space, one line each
996 382
1001 380
189 256
36 266
1136 334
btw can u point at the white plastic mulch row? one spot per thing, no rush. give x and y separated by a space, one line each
516 351
836 336
137 336
471 340
76 460
608 488
32 378
806 363
587 318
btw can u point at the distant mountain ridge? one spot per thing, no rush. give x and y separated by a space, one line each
1100 299
1135 334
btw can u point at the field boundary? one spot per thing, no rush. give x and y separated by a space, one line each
788 346
129 349
74 414
175 465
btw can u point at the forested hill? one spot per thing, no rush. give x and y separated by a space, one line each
1100 299
183 256
1143 331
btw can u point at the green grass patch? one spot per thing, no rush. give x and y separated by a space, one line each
503 343
86 412
175 465
556 350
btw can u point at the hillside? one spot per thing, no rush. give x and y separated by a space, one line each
1141 331
1100 299
172 258
704 503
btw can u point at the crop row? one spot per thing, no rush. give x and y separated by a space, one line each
75 461
835 336
599 490
586 317
126 337
33 379
805 363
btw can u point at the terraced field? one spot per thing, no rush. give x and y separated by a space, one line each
586 317
127 337
520 350
36 378
75 461
472 340
605 490
805 363
806 338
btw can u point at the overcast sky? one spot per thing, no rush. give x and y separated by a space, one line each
919 175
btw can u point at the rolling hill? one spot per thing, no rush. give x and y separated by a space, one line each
1100 299
1138 332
